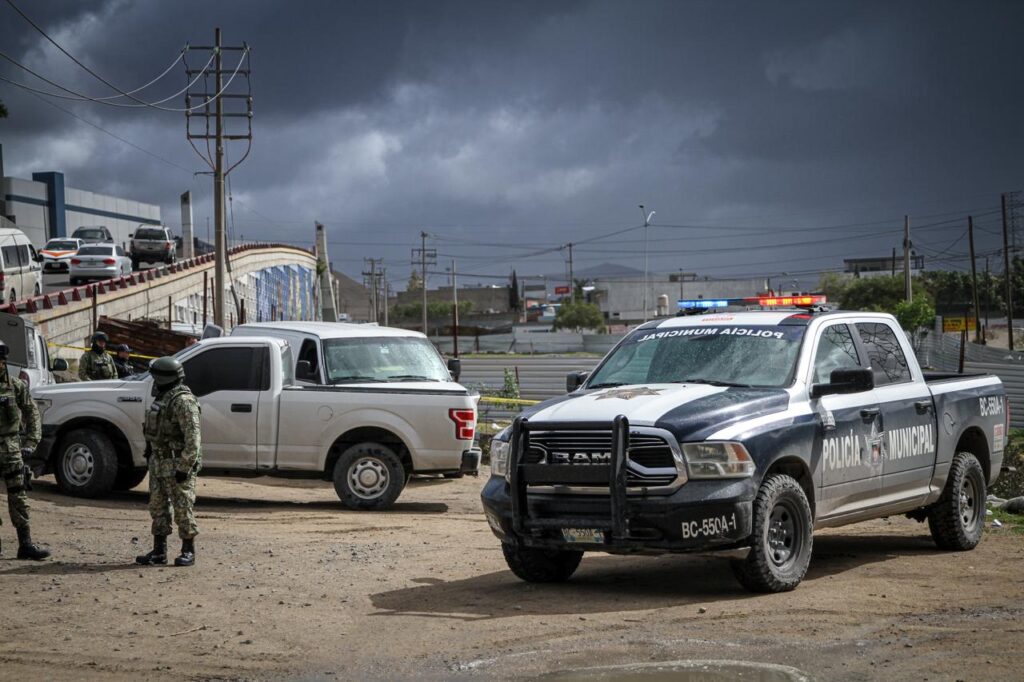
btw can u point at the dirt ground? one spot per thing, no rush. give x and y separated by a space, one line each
288 584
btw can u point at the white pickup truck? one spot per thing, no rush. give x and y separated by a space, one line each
368 437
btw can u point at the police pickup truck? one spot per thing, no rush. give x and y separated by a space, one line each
745 432
367 434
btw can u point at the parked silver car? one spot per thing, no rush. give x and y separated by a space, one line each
99 261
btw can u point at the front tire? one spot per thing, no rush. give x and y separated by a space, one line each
957 520
541 565
782 538
369 476
86 463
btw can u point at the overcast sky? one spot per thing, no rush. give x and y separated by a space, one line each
767 137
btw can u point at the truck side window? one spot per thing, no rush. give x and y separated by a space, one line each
224 369
884 352
836 350
309 354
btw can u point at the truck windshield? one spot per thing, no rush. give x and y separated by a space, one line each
730 355
382 359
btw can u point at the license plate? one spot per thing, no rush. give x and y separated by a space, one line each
591 536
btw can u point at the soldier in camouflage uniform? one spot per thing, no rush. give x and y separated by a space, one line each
96 363
18 409
172 431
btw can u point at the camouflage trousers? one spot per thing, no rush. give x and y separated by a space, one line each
165 494
12 470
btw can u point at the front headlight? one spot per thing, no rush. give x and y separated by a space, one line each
499 457
718 460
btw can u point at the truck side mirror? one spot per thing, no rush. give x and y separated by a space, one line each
846 380
304 371
59 365
455 368
574 380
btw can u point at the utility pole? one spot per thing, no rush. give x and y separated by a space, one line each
426 257
974 283
219 232
1008 274
384 287
988 294
572 282
455 311
647 221
201 110
372 279
906 258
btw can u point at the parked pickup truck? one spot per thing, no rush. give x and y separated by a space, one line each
153 245
744 432
366 437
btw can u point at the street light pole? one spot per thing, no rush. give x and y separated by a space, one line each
647 222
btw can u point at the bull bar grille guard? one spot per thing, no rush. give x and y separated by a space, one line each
522 475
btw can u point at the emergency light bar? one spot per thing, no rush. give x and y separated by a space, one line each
763 301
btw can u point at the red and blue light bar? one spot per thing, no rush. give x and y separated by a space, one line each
801 301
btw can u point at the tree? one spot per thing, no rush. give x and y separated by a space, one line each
415 282
579 315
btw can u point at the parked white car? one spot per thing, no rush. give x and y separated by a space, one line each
99 261
366 437
57 254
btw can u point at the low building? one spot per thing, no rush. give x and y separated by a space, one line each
622 300
44 208
885 265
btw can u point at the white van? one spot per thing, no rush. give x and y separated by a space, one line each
21 274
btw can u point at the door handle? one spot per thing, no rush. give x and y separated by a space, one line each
241 407
923 406
869 413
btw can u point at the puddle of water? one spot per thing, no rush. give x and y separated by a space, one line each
682 671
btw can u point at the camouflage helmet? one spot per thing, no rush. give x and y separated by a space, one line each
166 370
100 336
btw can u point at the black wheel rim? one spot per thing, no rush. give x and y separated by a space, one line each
785 534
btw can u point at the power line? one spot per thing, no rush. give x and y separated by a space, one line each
81 97
115 136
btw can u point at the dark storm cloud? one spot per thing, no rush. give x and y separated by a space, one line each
542 123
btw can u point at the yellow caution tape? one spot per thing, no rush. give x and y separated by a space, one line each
513 401
111 352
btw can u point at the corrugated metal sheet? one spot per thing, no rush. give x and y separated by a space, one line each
540 377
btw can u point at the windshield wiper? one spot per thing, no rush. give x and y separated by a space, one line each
712 382
411 377
607 384
354 378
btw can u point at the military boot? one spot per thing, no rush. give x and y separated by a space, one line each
158 555
188 553
27 549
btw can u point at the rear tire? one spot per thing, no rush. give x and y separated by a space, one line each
369 476
957 520
541 565
86 463
782 538
128 477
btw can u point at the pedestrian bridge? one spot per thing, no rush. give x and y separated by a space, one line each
272 281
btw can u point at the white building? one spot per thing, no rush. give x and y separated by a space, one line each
44 207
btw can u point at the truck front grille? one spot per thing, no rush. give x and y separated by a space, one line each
651 462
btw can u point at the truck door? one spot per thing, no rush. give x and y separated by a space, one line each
229 381
847 458
908 415
14 334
